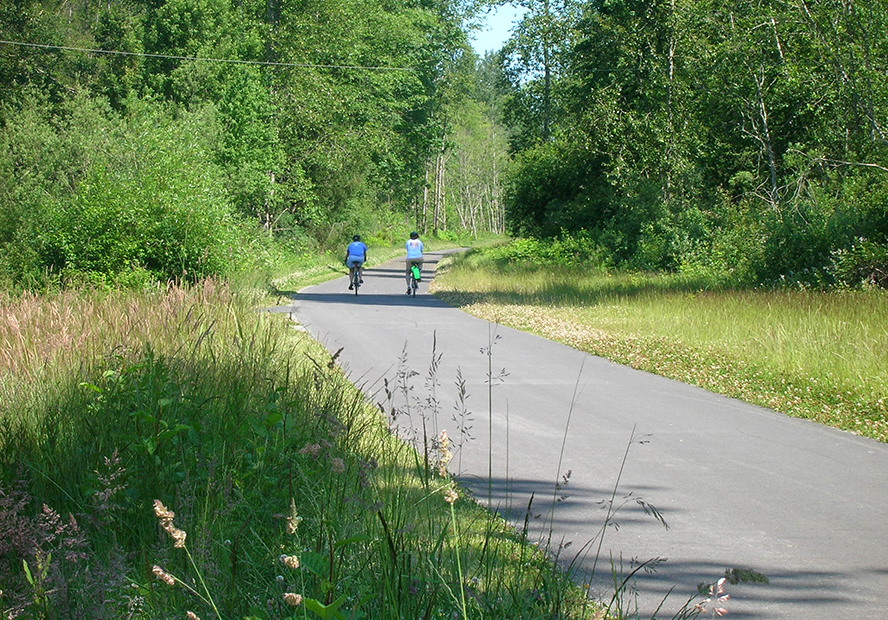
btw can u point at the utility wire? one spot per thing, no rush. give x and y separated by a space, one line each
224 60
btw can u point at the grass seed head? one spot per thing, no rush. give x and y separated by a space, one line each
163 575
164 515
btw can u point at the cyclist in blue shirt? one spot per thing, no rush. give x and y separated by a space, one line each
414 256
355 257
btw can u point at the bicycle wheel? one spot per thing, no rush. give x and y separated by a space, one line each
356 282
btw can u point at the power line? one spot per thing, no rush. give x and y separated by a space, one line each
223 60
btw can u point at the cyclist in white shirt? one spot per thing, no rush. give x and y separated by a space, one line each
414 256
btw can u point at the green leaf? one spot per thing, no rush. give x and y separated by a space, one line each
149 445
28 575
273 418
315 563
327 612
347 541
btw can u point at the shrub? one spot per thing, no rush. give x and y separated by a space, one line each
107 196
553 188
865 262
579 248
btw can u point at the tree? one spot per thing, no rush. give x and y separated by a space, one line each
533 60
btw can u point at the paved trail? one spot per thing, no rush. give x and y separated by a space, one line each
739 486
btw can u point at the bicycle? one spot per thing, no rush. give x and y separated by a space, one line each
356 280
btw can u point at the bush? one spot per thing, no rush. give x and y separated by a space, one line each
107 197
554 187
864 263
580 248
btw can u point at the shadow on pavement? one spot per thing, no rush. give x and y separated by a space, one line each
672 584
422 300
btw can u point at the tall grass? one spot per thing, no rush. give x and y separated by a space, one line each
174 450
819 355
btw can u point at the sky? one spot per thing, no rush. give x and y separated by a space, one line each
499 22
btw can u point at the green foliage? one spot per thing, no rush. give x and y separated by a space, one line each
533 59
555 186
25 68
310 119
580 249
735 137
475 170
864 263
105 195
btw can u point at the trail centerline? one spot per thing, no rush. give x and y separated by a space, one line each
739 486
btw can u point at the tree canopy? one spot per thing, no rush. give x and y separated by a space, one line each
746 137
311 120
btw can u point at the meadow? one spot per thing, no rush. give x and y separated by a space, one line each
808 353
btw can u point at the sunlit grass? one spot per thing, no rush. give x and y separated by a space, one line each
842 336
819 355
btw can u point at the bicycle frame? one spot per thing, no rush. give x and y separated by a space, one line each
356 279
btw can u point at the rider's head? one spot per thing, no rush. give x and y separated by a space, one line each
414 235
356 238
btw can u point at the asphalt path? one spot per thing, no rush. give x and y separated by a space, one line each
739 486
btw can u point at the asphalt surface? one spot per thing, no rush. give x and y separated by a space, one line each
739 486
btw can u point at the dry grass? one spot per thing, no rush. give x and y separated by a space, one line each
38 333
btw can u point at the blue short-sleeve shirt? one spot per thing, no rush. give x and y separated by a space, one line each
357 249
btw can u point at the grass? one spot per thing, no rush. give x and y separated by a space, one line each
172 451
810 354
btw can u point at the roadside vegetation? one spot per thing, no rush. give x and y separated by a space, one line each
804 352
174 451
